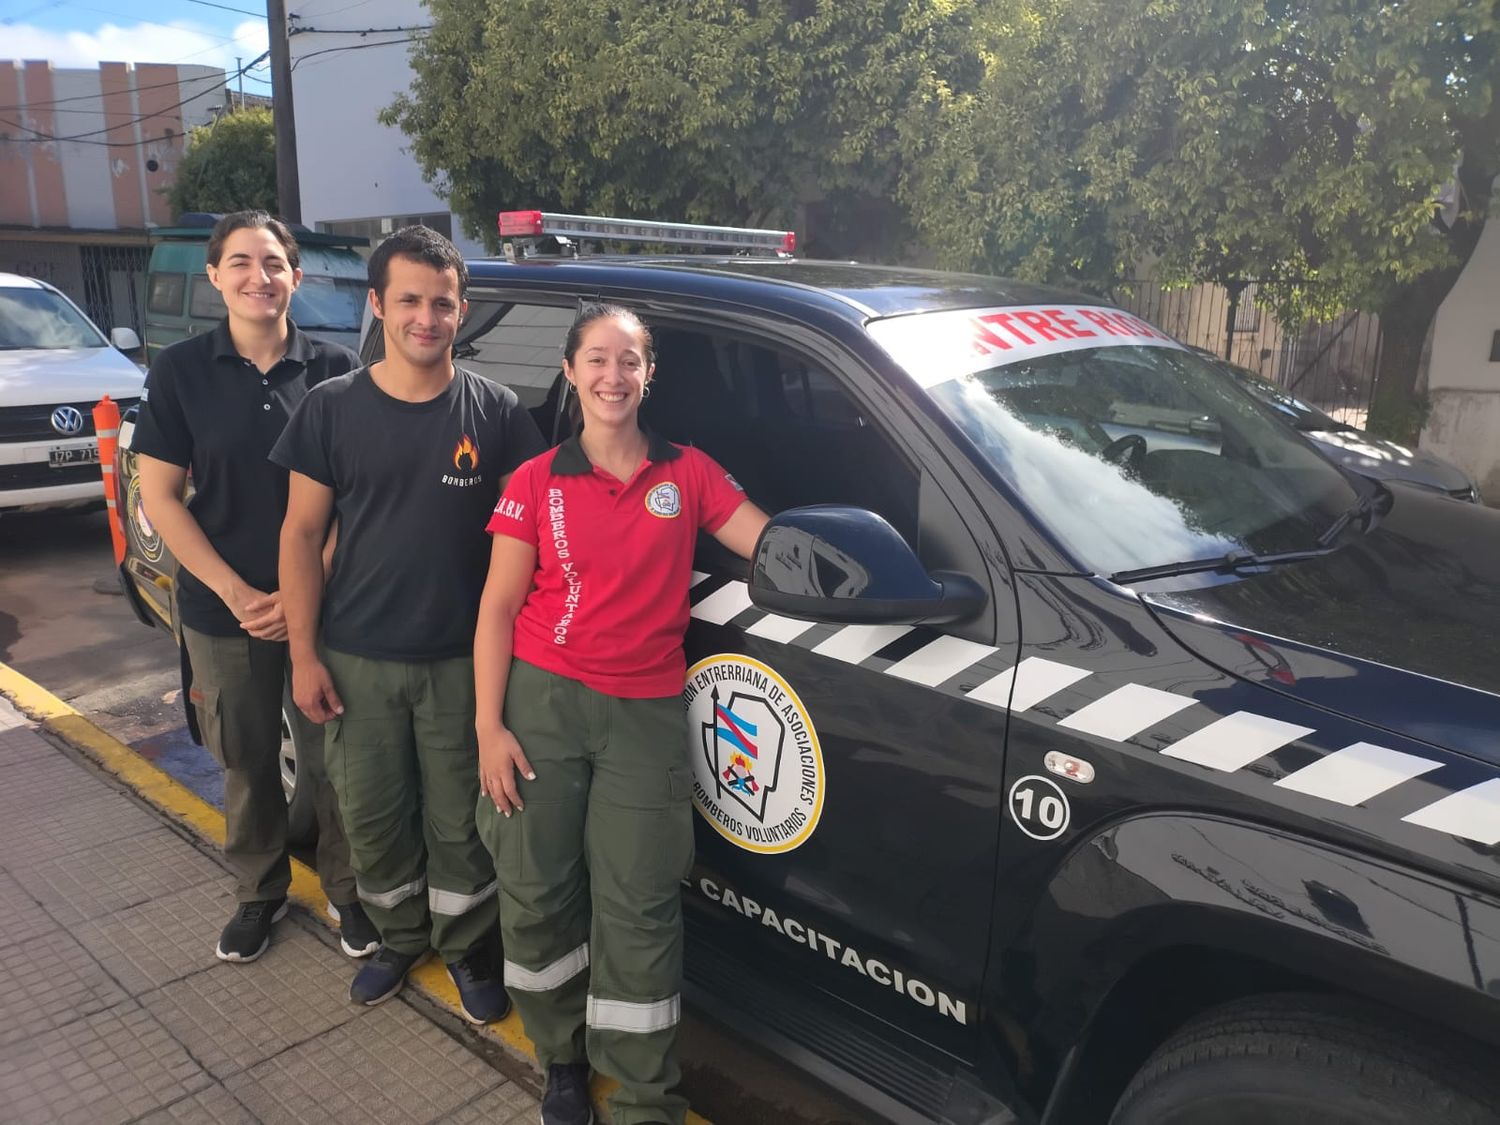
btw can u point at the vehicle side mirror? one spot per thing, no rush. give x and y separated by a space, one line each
125 339
849 566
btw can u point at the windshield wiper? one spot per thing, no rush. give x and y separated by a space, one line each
1234 560
1360 508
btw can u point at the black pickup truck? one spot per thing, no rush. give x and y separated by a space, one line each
1080 745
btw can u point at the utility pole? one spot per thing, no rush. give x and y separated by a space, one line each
288 190
239 69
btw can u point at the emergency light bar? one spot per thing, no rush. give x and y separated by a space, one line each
536 224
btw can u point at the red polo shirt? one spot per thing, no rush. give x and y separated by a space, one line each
614 560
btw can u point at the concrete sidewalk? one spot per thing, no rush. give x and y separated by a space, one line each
113 1007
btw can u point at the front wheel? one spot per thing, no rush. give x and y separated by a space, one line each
1310 1060
301 815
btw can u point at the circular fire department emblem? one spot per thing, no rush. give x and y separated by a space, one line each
146 535
757 766
664 500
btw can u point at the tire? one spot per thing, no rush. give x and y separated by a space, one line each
1311 1060
301 816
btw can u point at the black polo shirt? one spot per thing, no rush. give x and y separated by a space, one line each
210 410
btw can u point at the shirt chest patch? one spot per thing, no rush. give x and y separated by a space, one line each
664 501
465 462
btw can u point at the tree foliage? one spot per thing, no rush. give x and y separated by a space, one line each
229 165
1301 142
723 111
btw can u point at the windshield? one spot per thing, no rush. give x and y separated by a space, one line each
39 318
1133 451
1303 415
329 304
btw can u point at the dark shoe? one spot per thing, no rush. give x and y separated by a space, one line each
566 1101
357 934
481 992
382 976
249 931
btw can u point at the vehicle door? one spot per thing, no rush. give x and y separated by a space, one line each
848 811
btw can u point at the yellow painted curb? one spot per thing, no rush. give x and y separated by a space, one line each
186 807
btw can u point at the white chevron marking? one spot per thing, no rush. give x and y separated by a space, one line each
1126 712
1353 775
1236 740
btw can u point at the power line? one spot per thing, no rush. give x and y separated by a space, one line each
227 8
351 47
354 30
96 97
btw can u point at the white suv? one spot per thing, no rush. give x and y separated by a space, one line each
54 366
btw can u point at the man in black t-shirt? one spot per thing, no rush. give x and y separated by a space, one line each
410 455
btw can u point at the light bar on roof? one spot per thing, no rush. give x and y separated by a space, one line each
535 224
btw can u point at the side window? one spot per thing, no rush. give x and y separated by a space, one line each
207 302
519 346
165 298
782 424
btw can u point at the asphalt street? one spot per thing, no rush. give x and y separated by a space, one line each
64 625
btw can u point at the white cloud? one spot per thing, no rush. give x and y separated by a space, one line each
178 42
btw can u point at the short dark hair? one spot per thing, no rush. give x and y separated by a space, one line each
598 310
252 220
417 244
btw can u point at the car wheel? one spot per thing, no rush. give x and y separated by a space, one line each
301 816
1312 1060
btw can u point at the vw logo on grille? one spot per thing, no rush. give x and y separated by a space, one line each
67 420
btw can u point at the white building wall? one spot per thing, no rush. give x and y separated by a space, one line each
1463 382
351 167
85 167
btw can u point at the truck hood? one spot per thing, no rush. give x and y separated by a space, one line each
1418 593
38 376
1385 460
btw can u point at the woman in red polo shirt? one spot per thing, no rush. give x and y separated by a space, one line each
583 751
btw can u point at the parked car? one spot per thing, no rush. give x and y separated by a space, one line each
55 365
1097 776
1353 448
181 301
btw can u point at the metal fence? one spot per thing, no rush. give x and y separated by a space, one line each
1330 364
113 279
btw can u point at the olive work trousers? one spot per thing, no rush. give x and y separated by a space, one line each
590 878
404 761
239 684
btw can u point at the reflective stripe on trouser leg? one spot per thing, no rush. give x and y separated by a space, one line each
372 764
640 846
460 873
538 858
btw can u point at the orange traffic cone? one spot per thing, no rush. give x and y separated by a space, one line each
107 427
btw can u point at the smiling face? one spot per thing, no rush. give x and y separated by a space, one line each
421 309
254 276
609 370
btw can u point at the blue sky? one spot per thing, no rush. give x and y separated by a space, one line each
87 32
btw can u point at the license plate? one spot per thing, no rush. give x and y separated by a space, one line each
61 456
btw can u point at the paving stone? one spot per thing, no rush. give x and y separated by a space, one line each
504 1105
48 982
24 916
157 942
52 829
389 1065
215 1105
10 718
237 1015
36 781
103 1069
106 878
22 744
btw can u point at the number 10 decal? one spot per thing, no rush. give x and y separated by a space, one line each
1039 807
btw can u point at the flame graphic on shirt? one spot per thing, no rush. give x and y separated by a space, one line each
466 455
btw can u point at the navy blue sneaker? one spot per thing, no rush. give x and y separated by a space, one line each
382 975
566 1100
481 991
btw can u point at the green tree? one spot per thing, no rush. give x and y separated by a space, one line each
1301 141
229 165
782 112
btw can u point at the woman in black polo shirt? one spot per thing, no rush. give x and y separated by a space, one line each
580 634
215 404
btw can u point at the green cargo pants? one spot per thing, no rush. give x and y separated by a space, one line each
590 878
238 687
405 763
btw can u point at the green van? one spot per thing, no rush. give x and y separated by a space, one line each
181 301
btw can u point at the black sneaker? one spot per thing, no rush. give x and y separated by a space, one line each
382 976
357 934
566 1101
481 992
249 931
